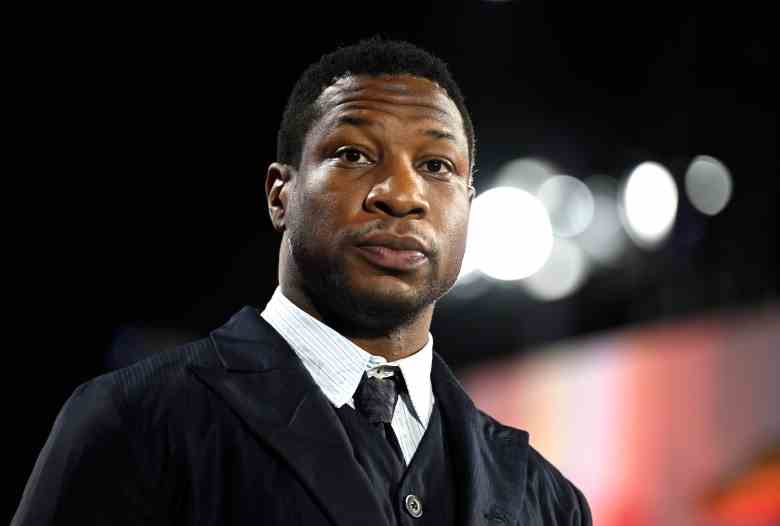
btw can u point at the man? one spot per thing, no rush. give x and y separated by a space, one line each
329 406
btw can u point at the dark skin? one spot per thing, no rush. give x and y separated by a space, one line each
374 219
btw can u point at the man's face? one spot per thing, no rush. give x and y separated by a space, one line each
377 213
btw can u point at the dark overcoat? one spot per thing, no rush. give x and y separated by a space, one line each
231 429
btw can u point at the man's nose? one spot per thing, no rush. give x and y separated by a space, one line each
399 190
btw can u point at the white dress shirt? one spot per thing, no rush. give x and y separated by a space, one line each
337 365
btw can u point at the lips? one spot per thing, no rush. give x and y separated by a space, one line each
394 252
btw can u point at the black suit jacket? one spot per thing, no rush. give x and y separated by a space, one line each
232 429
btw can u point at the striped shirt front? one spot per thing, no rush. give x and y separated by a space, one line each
337 365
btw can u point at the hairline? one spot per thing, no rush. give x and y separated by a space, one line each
319 111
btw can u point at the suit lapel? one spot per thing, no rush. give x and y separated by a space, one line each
490 459
264 383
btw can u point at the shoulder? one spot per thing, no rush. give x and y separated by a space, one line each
134 397
494 427
161 372
138 406
148 378
106 453
548 496
551 496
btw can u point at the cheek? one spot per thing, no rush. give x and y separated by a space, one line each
319 215
455 230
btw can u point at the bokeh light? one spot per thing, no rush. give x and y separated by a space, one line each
510 236
649 204
603 240
527 174
561 275
708 185
568 202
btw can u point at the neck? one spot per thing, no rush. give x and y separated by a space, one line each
401 341
392 343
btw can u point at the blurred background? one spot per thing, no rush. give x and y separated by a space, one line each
619 298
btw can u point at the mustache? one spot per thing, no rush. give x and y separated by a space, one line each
393 228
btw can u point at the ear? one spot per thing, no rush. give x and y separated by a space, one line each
277 181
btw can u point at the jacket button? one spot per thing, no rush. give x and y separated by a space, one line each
413 506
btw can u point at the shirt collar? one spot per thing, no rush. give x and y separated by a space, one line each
416 370
336 364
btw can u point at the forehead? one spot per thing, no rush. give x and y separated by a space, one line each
404 97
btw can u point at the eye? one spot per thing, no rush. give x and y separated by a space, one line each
352 156
438 167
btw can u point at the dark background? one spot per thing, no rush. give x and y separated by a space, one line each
145 134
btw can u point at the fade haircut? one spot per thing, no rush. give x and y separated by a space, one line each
373 57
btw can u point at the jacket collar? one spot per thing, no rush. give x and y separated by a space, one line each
265 383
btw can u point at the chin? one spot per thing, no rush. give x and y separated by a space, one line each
391 298
354 298
373 306
391 301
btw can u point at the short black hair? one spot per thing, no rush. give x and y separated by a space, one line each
375 56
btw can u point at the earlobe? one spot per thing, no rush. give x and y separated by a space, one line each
276 180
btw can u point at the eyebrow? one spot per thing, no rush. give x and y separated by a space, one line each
439 134
360 122
351 120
